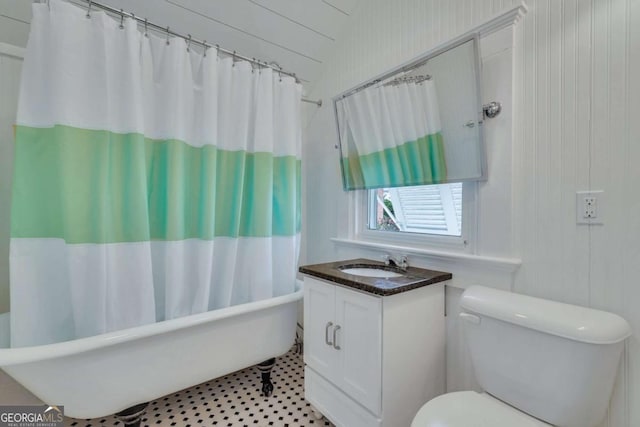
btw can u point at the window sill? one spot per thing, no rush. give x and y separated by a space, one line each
435 242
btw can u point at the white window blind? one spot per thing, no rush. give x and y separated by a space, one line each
426 209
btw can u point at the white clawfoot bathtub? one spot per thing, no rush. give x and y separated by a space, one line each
104 374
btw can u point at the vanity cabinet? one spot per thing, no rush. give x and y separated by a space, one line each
372 360
344 336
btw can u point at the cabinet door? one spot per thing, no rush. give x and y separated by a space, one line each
319 321
359 336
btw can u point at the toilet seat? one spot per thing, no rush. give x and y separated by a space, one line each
471 409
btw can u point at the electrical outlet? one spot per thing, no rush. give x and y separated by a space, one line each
588 207
590 204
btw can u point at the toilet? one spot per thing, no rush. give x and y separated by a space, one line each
538 362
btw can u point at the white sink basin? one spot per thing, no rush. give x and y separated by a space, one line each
371 272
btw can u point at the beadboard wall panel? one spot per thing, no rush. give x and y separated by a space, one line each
628 279
614 169
576 105
587 71
552 149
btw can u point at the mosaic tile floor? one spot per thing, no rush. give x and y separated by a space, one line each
232 401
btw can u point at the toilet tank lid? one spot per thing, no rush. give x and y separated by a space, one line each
551 317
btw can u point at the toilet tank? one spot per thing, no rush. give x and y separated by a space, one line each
554 361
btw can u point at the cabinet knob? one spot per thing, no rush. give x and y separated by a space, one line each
326 333
335 342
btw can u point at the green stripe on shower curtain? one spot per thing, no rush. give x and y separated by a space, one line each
418 162
96 189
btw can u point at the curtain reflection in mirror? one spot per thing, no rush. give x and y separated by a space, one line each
393 135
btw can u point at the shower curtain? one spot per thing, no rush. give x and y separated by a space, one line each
392 135
151 182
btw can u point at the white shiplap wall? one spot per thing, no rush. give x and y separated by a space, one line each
576 127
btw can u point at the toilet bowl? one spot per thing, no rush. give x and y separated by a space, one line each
472 409
539 363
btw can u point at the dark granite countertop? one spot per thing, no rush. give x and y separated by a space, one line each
411 278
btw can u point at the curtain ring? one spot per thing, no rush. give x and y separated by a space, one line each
122 19
146 34
253 62
168 42
89 9
206 46
233 58
280 72
189 43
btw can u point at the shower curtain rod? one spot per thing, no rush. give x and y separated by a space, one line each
190 40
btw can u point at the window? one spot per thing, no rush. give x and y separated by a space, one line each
423 209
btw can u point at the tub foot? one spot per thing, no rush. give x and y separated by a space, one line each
265 371
316 414
131 417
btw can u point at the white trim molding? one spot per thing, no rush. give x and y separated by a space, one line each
507 265
501 20
11 50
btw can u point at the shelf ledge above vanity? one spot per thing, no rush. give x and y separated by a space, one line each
508 265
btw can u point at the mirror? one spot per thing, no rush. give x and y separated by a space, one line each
417 124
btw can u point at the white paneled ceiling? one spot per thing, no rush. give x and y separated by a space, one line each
297 34
14 22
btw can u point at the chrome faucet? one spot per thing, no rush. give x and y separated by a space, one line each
400 262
